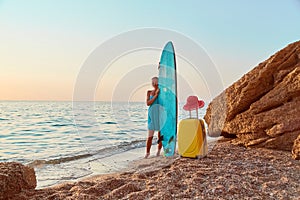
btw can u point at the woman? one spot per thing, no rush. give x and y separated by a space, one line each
153 117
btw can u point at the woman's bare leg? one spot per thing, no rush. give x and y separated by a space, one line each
149 143
159 145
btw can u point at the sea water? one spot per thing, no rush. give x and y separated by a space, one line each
68 140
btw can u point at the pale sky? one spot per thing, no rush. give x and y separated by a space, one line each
43 44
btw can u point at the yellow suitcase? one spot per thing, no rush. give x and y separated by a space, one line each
192 138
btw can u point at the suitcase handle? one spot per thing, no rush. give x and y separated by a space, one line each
196 113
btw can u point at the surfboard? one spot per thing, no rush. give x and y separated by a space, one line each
167 99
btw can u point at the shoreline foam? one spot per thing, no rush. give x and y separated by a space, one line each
78 169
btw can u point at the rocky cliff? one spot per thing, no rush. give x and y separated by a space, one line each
262 109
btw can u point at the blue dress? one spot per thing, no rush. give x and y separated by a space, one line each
153 116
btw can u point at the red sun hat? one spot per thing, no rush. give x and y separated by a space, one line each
193 103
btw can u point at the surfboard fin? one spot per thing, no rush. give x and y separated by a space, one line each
161 138
171 139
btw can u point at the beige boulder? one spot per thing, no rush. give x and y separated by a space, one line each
15 177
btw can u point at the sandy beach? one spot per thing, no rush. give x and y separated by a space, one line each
228 172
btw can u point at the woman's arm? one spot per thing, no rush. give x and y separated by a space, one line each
150 101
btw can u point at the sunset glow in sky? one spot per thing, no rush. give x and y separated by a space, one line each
43 44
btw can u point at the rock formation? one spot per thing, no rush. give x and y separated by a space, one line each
14 178
262 109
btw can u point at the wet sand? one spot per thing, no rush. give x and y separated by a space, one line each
227 172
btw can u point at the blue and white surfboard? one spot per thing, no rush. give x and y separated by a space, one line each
167 98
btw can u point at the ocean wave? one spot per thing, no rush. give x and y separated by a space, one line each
37 163
109 123
61 125
98 154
